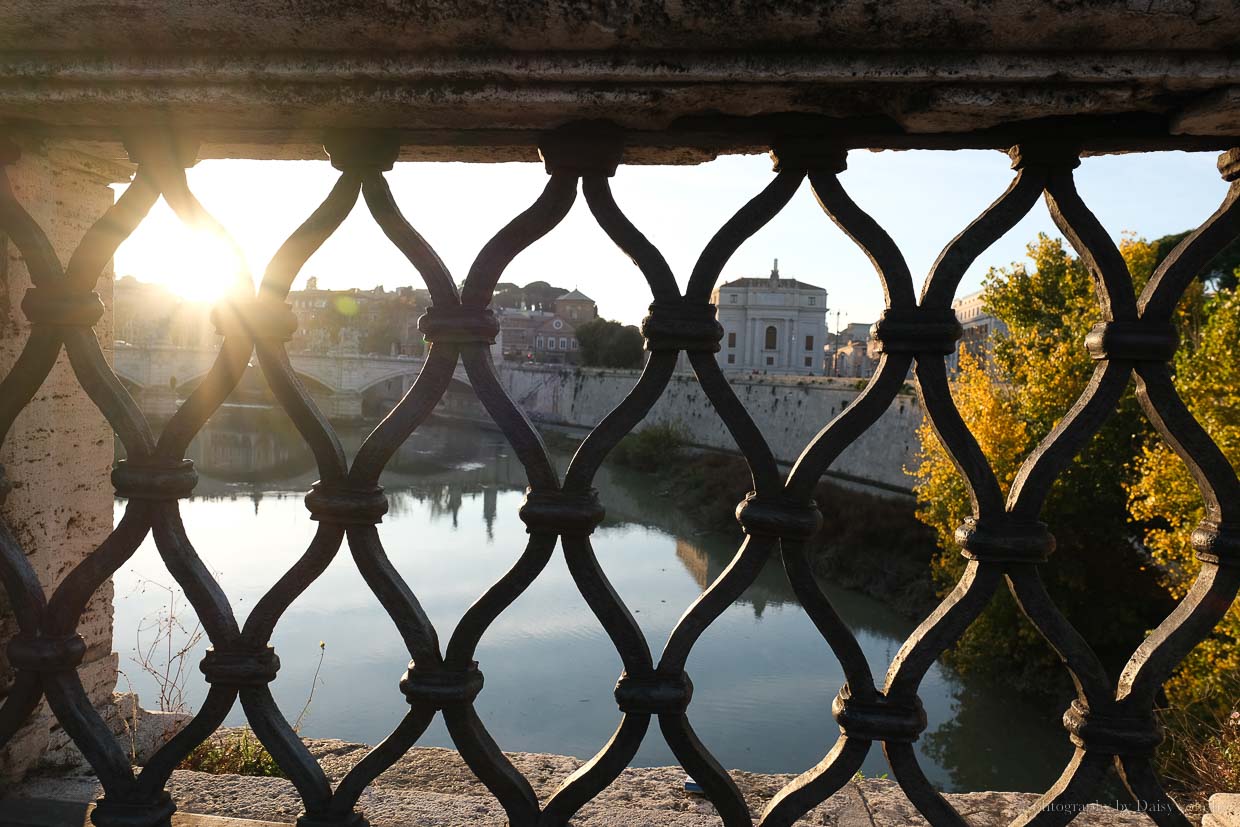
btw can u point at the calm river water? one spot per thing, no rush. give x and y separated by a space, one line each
764 679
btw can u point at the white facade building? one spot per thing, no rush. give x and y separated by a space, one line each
979 328
773 324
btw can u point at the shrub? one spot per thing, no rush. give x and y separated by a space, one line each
869 542
233 752
653 448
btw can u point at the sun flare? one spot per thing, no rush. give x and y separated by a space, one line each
197 263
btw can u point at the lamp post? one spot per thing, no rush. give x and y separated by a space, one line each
835 354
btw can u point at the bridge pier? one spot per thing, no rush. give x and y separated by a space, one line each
340 405
158 402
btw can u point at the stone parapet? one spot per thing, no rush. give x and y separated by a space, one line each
1224 811
462 82
434 788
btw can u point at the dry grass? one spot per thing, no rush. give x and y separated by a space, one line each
238 751
1201 753
233 752
163 648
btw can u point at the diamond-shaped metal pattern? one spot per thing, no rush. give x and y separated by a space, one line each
1109 723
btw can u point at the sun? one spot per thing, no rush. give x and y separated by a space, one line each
197 263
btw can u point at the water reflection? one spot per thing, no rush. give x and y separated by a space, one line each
764 679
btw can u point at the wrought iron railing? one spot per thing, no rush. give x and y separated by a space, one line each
1109 723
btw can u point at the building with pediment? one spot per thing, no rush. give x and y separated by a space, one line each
772 324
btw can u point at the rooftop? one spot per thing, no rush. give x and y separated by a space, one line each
785 284
773 280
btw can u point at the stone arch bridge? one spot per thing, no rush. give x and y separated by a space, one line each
343 385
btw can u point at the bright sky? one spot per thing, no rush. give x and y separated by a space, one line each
922 198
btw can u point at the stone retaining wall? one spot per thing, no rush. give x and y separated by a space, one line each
790 410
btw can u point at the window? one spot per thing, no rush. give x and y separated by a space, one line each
563 343
732 339
557 324
809 361
540 343
812 300
772 339
731 358
732 298
809 342
572 343
770 360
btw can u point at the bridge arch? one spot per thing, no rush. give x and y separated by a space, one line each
254 371
128 379
133 386
412 373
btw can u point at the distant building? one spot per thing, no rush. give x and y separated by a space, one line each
851 352
980 328
576 307
855 332
546 336
354 320
855 359
772 324
151 314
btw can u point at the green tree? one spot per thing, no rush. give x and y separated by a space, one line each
388 326
1099 576
508 294
1222 271
539 295
608 344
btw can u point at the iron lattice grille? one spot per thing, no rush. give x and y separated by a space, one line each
1109 723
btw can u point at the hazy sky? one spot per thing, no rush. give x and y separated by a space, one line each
922 198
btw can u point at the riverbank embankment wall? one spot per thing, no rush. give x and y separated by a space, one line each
790 410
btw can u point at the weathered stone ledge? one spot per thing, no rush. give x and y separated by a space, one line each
1224 811
433 787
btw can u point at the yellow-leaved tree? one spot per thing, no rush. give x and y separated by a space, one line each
1167 502
1100 576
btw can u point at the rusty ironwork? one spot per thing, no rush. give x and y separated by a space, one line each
1110 723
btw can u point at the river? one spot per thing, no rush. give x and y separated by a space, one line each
763 677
